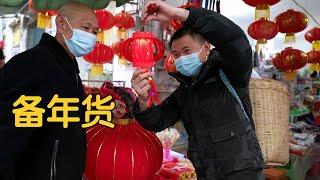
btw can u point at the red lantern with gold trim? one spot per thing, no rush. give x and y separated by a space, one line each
126 151
169 64
314 60
313 36
177 24
117 48
289 61
291 22
101 54
262 30
143 49
123 21
262 7
105 19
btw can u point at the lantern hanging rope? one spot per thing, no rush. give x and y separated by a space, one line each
143 49
291 22
262 7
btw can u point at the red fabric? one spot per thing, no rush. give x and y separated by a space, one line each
255 3
263 29
313 35
101 54
124 152
124 20
105 19
291 21
290 59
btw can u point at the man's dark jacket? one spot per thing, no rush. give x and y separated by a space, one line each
50 152
221 140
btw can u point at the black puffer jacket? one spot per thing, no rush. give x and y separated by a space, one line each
221 139
50 152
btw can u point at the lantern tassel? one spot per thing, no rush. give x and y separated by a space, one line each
290 38
316 45
290 76
262 11
153 93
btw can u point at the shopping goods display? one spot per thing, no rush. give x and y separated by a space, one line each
270 105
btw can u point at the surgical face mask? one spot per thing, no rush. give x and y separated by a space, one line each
189 65
81 42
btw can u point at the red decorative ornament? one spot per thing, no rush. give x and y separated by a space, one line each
169 64
177 24
123 21
117 48
313 36
262 7
262 30
101 54
143 50
125 152
291 22
290 60
314 57
105 19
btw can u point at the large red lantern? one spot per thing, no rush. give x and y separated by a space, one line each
262 30
143 49
291 22
177 24
123 21
314 60
105 19
125 152
169 64
289 61
117 48
101 54
262 7
313 36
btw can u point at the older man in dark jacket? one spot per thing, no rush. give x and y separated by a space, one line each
212 99
50 152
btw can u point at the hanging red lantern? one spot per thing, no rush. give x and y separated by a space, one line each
313 36
314 60
126 151
169 64
291 22
123 21
289 61
262 30
117 48
143 49
105 19
262 7
101 54
177 24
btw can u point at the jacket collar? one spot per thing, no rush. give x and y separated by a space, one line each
70 65
205 72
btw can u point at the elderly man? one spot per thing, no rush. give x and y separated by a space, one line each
51 151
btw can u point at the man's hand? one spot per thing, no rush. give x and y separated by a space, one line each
141 85
164 12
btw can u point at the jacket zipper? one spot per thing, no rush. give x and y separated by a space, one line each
53 170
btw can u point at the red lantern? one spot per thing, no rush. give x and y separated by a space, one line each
290 60
313 36
143 50
262 7
291 22
101 54
125 152
105 19
117 48
169 64
314 57
123 21
263 30
177 24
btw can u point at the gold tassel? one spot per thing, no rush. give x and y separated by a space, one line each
290 38
316 45
290 76
315 67
96 69
100 36
122 33
262 11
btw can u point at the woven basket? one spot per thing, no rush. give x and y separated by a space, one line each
270 105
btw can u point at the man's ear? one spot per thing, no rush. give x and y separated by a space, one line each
60 23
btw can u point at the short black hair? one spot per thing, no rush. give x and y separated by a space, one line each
184 31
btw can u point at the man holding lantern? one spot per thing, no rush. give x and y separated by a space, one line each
212 99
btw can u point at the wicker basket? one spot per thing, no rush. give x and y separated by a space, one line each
270 105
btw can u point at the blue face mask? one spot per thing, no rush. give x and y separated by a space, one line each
189 65
81 42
